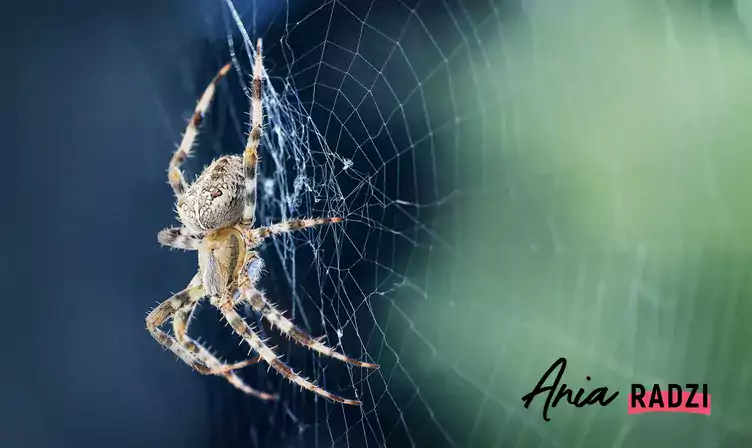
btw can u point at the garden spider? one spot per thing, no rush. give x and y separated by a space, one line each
217 213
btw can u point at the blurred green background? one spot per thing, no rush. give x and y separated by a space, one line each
610 226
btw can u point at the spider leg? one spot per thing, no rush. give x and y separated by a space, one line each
179 307
180 238
267 354
180 323
166 310
275 317
174 175
250 155
248 277
289 226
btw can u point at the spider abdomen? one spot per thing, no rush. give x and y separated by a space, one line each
215 199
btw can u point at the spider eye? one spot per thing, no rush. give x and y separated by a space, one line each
216 193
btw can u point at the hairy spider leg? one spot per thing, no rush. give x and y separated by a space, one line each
174 175
180 238
275 317
180 323
188 350
260 304
165 311
250 154
225 305
289 226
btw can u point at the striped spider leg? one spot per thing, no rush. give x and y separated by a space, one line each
174 175
179 308
180 238
246 291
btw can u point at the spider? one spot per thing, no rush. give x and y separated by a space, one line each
217 215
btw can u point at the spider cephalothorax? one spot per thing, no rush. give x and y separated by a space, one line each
217 213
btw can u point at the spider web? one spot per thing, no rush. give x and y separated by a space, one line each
516 187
